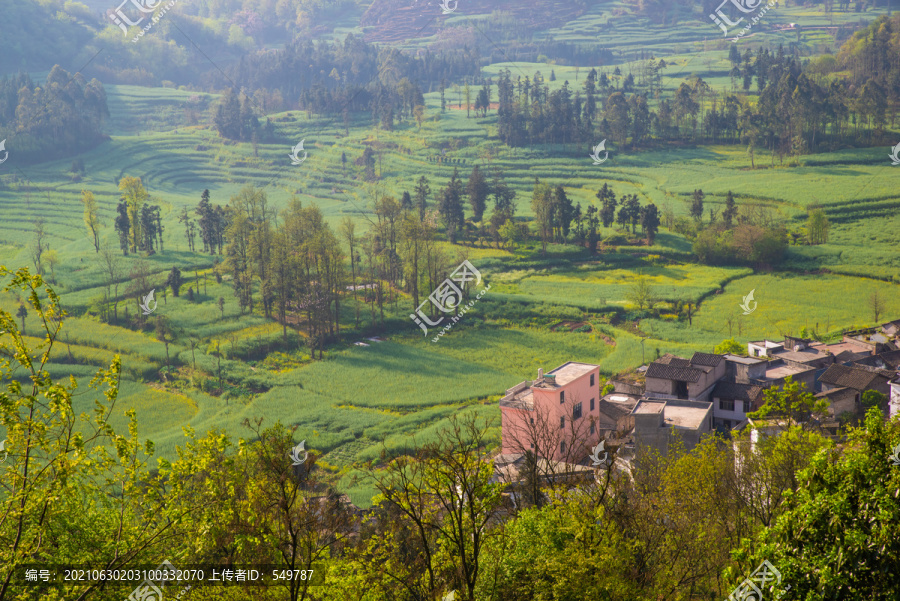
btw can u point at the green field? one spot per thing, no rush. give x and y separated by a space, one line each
389 395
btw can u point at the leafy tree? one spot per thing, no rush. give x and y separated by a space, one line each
607 205
873 398
123 226
134 196
730 211
632 211
730 347
406 201
697 205
650 222
75 490
510 233
563 212
175 281
817 227
640 293
39 245
792 403
839 534
92 217
446 498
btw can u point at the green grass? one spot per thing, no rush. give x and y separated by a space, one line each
389 396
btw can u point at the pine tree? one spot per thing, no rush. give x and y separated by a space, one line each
730 211
697 206
422 192
477 190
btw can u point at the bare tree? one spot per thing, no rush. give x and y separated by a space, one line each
112 264
551 442
39 246
446 497
876 304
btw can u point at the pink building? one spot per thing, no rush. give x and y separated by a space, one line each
555 416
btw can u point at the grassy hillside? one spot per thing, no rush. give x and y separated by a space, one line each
541 311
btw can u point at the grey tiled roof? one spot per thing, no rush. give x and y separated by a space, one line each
731 390
671 372
850 377
707 359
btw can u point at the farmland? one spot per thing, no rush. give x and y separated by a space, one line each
360 400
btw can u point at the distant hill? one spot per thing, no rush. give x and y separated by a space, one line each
397 20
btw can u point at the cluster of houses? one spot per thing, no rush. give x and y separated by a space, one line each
559 415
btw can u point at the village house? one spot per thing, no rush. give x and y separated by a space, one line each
671 377
842 386
658 422
567 395
688 398
894 401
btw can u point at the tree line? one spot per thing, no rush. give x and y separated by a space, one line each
642 526
62 117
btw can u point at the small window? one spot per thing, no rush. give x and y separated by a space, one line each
532 445
532 421
562 397
592 427
592 379
576 411
592 404
726 404
562 447
562 421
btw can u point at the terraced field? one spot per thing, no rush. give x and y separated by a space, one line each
361 400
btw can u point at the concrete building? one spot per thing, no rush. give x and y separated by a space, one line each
745 370
567 396
732 401
657 422
841 400
671 377
894 400
855 378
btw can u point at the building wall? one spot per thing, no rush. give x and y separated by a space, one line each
650 429
660 387
515 422
701 389
845 401
894 402
743 373
739 414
